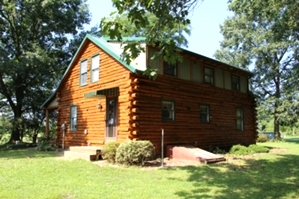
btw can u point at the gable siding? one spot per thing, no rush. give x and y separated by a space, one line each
243 84
154 63
184 70
227 80
219 78
197 73
90 118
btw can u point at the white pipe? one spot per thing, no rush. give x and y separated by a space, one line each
162 148
63 132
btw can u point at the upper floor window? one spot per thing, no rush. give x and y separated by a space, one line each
205 113
170 69
73 118
240 119
95 66
168 110
83 73
235 83
208 75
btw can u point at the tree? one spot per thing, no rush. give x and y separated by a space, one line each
161 22
264 34
33 50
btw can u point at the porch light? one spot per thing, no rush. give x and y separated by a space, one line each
100 105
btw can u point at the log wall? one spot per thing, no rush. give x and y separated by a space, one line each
90 117
146 99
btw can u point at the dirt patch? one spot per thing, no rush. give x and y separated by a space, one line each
277 151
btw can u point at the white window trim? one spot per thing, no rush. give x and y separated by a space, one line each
240 119
73 117
95 68
168 107
207 114
83 72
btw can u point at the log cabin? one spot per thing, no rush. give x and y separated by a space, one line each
199 101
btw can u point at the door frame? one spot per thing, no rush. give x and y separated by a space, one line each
111 118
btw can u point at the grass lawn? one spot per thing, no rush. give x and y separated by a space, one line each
33 174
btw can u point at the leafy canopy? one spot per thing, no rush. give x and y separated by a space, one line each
264 35
33 50
162 23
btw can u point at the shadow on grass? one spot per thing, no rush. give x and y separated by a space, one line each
26 152
292 140
275 178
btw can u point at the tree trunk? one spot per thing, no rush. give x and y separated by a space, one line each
35 134
15 134
276 128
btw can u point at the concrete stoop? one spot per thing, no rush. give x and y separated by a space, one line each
90 153
192 153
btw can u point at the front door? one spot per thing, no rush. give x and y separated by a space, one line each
111 118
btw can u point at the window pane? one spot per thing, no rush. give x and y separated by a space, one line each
167 110
95 75
73 118
240 119
95 63
204 113
83 78
83 67
169 69
235 83
83 72
209 75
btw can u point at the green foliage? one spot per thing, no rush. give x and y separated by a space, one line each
217 150
109 151
135 152
34 52
4 138
163 24
44 144
151 73
263 35
239 150
262 138
251 149
21 146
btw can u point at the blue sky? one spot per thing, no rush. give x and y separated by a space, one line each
205 20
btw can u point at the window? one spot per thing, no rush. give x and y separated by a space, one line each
205 113
168 110
209 76
83 73
240 119
170 69
73 123
235 83
95 65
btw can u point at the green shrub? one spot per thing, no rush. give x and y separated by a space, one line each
251 149
109 151
135 152
262 138
258 149
239 150
45 145
217 150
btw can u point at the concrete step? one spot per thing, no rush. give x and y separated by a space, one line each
192 153
89 153
85 149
